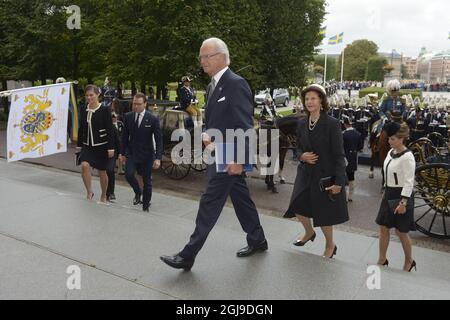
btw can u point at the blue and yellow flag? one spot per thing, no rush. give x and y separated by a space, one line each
336 39
449 35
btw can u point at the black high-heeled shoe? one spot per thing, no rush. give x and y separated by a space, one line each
334 252
413 266
302 243
386 263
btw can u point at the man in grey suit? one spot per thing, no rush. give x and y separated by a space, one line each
229 106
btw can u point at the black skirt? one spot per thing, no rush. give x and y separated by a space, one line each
97 157
402 222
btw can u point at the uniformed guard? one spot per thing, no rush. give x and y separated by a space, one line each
416 124
352 144
189 103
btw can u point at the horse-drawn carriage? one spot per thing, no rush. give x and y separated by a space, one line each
432 189
171 119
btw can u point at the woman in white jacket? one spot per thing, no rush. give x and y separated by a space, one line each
397 207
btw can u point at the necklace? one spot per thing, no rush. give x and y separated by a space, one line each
312 124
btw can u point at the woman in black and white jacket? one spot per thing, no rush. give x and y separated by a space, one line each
397 207
95 141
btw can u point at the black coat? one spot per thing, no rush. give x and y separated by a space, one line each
352 144
325 141
99 133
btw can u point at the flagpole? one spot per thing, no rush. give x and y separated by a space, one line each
342 65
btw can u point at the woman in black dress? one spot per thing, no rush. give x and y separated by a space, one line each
397 207
321 153
95 142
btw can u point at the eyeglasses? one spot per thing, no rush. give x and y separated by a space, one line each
207 56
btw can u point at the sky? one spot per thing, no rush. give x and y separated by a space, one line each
403 25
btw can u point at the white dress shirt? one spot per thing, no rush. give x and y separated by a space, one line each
141 116
219 75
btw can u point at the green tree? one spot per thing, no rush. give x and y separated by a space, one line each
36 35
357 56
375 68
290 37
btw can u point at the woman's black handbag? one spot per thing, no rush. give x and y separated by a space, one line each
326 182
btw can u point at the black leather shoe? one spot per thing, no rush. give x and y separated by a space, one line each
137 200
112 196
300 243
178 262
146 209
250 250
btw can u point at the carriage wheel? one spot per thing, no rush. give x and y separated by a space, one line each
432 200
172 170
198 167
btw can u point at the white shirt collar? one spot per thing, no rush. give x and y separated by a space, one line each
142 114
219 75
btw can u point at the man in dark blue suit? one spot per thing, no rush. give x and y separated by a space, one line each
229 106
141 130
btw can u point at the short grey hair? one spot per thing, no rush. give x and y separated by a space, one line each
221 47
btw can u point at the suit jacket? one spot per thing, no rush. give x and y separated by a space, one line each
137 143
97 132
230 106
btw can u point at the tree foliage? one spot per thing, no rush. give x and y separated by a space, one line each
154 42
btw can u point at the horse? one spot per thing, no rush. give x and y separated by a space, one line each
287 127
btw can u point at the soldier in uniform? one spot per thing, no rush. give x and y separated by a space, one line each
189 103
352 144
416 124
393 104
432 120
362 120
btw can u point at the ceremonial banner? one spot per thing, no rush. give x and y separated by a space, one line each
37 123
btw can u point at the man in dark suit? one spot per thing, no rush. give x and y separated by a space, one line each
141 130
229 106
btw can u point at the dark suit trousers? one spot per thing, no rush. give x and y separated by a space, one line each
211 205
110 170
145 171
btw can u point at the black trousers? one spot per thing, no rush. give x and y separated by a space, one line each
110 171
143 169
211 205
